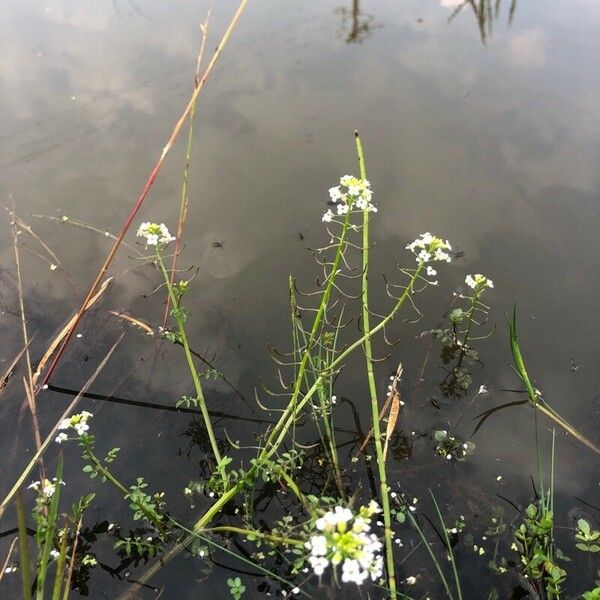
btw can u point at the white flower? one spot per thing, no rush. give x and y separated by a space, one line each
335 194
482 389
154 233
327 216
357 195
423 256
441 255
360 525
318 545
54 553
373 507
431 271
78 422
410 580
478 281
428 247
61 437
34 485
81 428
48 489
376 568
318 564
351 572
362 203
345 540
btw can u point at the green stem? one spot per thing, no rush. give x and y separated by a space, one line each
104 472
192 368
329 440
23 548
435 561
279 431
60 564
292 485
250 532
387 521
448 546
474 300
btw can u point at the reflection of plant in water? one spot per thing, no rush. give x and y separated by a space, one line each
360 23
401 446
199 438
486 11
456 338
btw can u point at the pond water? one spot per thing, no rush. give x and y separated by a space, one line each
484 130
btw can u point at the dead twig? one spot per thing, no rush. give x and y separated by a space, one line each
151 178
14 489
394 396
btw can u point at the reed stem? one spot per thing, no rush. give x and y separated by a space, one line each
385 501
192 368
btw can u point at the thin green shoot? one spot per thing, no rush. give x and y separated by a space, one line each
198 535
366 319
432 555
23 548
448 547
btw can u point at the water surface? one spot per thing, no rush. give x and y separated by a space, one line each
486 133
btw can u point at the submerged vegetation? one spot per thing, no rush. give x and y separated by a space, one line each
332 528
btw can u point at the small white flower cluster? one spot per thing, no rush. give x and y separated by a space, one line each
358 195
78 422
48 487
155 234
478 281
345 540
427 248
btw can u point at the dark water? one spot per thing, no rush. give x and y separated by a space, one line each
488 133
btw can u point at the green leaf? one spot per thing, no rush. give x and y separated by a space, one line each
583 547
584 526
531 511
